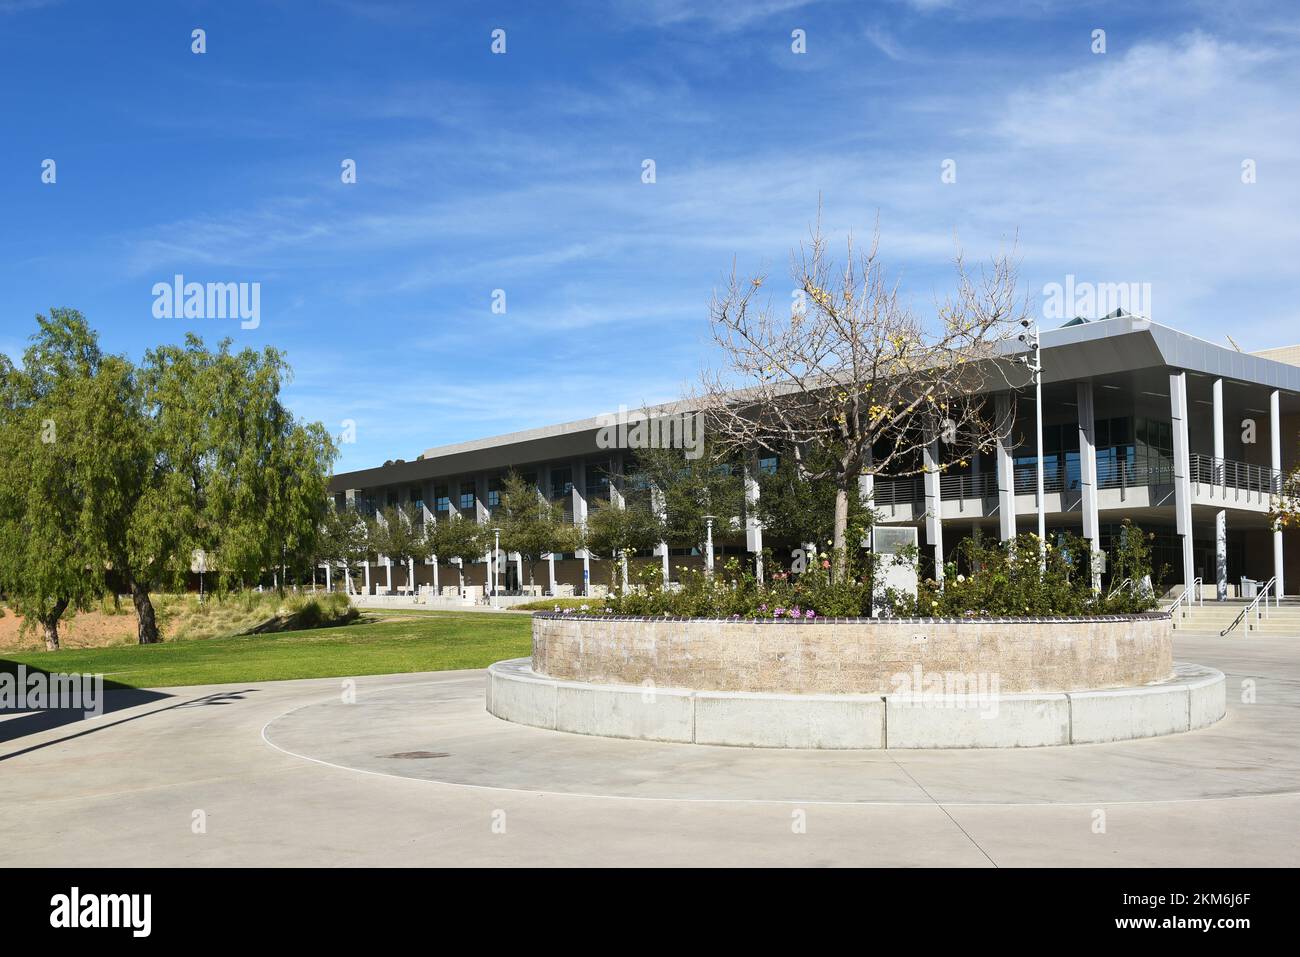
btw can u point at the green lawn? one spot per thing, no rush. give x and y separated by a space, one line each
421 641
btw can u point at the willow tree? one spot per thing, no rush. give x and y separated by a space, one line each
52 558
851 370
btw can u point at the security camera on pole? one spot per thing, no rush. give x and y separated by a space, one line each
1035 366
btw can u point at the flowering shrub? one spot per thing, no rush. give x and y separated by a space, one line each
983 578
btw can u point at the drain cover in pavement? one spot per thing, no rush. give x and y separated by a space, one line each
417 754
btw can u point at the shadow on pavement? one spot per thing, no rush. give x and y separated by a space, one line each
17 723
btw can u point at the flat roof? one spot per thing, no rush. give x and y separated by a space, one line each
1077 351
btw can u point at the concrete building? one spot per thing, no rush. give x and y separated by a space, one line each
1186 438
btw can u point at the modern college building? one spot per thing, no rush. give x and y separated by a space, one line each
1185 438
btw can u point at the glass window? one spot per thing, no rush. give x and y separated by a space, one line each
561 482
466 495
768 464
441 500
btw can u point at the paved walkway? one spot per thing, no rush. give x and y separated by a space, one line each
415 772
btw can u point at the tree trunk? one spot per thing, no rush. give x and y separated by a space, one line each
146 622
839 565
50 624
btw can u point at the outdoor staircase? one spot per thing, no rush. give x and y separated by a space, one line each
1208 619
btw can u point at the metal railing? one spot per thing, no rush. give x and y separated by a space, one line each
1111 474
1126 585
1260 601
984 485
1226 473
1183 603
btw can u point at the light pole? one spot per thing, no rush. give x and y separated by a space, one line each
1031 338
496 561
708 544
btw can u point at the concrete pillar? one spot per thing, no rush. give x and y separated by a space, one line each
410 575
550 572
1221 516
1182 472
753 527
933 507
367 567
1275 436
1006 468
437 591
329 586
579 471
347 579
658 503
388 573
1088 478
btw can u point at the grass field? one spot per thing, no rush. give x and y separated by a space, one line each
379 643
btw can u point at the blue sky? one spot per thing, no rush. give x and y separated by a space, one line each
522 172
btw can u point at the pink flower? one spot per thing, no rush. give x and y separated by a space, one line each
810 613
777 613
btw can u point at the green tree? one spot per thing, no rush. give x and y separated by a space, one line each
344 540
457 538
532 526
691 490
395 534
209 459
615 532
794 509
52 426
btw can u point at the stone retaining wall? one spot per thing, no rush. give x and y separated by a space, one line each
855 656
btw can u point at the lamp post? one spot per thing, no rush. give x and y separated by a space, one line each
496 561
1031 338
708 544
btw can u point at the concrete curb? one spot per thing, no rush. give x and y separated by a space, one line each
1194 697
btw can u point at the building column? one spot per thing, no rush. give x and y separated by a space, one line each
367 566
753 527
1006 469
329 586
1221 516
579 473
933 507
659 505
1182 472
1275 435
867 489
410 575
388 573
1088 478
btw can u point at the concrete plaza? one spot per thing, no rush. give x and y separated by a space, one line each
415 772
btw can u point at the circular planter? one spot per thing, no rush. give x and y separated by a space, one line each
854 655
857 683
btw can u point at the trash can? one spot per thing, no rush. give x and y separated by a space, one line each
1249 588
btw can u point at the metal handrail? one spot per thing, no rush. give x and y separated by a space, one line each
1255 606
1184 601
1227 473
1125 584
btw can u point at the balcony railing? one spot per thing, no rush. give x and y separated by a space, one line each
1225 473
1111 474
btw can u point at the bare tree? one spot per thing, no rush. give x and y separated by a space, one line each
852 370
